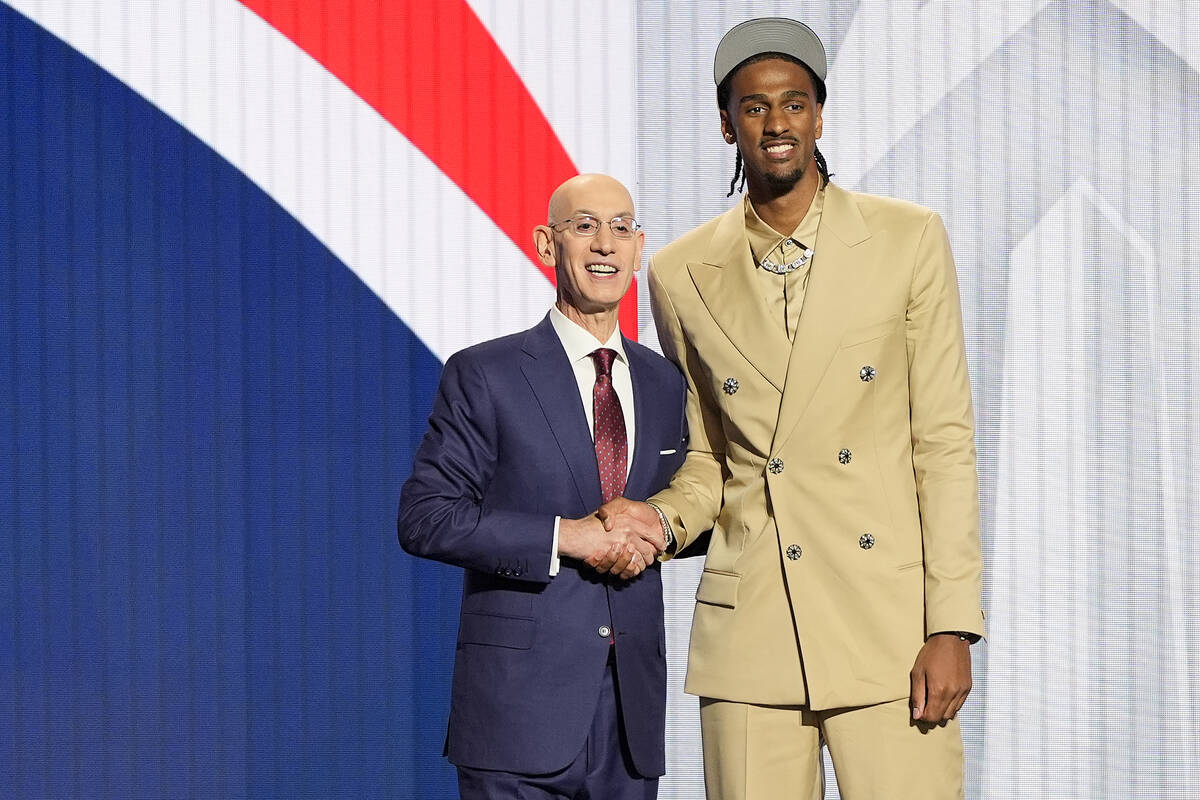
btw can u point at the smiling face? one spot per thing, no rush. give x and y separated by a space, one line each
775 119
593 272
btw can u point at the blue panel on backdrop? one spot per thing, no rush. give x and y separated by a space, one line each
206 419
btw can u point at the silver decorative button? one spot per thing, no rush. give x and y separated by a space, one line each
730 386
866 541
793 551
844 456
866 374
775 465
604 631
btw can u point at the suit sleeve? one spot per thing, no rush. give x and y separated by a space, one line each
692 501
443 513
943 440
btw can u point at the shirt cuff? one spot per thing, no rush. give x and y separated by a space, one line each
554 549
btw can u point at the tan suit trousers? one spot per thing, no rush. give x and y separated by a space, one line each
754 752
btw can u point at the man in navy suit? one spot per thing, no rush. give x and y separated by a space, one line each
559 684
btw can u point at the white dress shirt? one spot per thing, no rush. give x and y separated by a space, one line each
579 344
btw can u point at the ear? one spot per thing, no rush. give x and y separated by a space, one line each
543 243
820 121
727 128
639 243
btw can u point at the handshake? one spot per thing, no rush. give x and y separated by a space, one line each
622 538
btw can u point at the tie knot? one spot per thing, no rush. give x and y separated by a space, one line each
604 358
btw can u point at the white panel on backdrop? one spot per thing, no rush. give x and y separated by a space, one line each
1084 624
1172 23
579 62
904 57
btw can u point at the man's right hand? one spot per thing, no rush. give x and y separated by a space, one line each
617 550
636 517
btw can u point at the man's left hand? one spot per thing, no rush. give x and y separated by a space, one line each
940 678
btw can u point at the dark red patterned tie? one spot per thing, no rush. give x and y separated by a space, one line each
609 427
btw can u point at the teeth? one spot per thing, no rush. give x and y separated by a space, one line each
601 269
778 148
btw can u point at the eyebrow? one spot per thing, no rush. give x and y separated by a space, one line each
597 216
761 96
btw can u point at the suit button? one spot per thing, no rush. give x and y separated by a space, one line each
775 465
794 551
866 374
866 541
844 456
730 386
604 631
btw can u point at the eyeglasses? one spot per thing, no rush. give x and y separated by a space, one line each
587 225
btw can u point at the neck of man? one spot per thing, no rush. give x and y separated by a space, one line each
600 323
784 207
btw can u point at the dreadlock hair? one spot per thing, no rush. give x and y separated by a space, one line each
725 89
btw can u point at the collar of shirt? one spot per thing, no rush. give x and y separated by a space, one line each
765 240
578 342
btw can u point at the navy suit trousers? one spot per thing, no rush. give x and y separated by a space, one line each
603 769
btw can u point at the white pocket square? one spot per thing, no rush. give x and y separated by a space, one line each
665 452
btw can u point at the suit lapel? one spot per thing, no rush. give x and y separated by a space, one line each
645 457
552 379
726 282
837 278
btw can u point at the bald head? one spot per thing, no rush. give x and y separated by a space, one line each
586 194
593 261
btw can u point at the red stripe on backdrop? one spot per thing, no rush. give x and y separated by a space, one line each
434 71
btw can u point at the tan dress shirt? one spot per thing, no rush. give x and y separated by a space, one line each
784 293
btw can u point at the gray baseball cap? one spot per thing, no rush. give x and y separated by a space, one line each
769 35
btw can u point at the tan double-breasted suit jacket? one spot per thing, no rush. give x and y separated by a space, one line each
836 471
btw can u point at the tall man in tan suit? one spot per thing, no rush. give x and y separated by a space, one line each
831 455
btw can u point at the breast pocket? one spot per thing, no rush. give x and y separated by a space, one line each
668 459
869 333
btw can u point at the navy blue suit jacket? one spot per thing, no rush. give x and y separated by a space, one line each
508 449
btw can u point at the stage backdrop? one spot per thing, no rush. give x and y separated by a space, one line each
238 239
